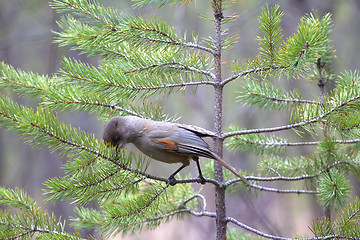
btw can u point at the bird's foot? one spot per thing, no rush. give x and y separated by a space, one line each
172 180
202 179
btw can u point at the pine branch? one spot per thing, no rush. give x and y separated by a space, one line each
289 179
25 218
42 129
132 29
296 144
91 10
345 225
76 98
85 186
265 95
256 143
347 221
30 231
112 81
21 82
148 203
146 207
276 190
177 66
261 144
294 125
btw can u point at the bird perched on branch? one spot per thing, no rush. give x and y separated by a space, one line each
163 141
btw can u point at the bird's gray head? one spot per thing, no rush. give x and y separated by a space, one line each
116 131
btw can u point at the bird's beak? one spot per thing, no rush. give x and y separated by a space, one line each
120 145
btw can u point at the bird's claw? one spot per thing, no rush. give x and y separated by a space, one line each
172 180
202 179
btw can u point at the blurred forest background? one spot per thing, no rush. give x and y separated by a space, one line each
26 42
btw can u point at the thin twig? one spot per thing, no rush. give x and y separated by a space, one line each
276 190
174 65
35 229
247 72
87 13
201 214
204 204
21 84
23 234
292 100
141 88
132 183
182 210
176 43
145 205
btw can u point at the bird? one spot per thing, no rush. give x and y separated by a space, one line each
163 141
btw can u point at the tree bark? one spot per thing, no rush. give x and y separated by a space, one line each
218 143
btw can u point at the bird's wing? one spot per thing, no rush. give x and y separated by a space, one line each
181 141
202 132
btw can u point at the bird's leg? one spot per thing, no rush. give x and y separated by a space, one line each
172 180
202 179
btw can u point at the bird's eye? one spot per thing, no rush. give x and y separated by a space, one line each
116 139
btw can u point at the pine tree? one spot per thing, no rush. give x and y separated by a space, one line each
142 58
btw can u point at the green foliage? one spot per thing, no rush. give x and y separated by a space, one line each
333 190
310 43
23 218
267 96
23 83
43 129
340 108
144 209
125 79
291 167
105 27
270 19
298 55
345 226
347 223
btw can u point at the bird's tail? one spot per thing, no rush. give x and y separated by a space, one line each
206 152
230 168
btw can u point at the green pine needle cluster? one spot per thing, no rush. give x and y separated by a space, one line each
345 226
270 43
333 190
23 219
